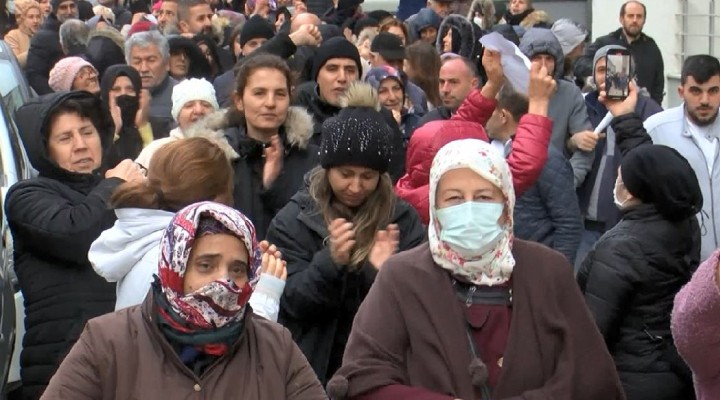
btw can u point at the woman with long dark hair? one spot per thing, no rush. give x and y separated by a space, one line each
422 66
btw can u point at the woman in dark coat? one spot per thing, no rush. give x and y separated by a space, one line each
474 313
633 273
272 139
54 218
336 234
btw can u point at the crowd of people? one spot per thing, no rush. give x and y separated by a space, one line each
302 200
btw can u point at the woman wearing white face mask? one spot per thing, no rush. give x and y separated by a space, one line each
475 314
633 273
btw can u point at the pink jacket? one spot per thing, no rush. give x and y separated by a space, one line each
695 327
526 160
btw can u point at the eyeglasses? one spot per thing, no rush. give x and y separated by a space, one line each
87 73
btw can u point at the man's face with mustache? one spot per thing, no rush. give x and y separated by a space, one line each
150 64
702 100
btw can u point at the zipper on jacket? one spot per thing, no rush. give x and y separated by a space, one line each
712 186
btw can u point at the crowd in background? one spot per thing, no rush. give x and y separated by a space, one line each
299 199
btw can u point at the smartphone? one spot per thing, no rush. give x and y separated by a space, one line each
617 74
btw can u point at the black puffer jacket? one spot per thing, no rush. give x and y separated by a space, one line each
630 279
53 219
258 203
306 95
548 212
44 52
320 298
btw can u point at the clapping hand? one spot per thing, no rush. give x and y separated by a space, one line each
386 244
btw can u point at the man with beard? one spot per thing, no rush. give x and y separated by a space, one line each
45 49
149 54
693 130
194 17
650 67
167 16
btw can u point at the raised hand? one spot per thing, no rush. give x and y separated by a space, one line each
342 240
620 107
386 244
273 161
127 170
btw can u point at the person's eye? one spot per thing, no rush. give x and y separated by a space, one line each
64 139
88 133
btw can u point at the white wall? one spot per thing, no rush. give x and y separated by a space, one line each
663 25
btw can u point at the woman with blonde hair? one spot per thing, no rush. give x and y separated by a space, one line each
337 233
182 172
29 17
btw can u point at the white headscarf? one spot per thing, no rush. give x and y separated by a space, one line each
496 265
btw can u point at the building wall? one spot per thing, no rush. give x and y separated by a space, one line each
664 25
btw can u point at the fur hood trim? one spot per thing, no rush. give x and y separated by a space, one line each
466 30
535 18
111 34
360 94
216 136
487 9
298 126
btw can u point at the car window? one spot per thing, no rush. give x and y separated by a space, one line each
11 92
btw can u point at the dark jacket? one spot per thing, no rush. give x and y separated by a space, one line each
44 52
321 298
53 219
407 8
411 330
122 16
438 114
630 279
161 118
606 162
263 364
258 203
307 96
424 18
548 212
646 56
105 48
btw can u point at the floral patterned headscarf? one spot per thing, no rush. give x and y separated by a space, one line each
219 302
495 266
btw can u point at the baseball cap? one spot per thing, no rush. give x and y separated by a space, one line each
389 46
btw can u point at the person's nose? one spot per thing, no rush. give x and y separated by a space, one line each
79 142
445 87
355 186
342 76
270 101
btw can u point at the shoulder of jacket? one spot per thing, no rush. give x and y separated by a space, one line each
655 123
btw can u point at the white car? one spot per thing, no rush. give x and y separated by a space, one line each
14 166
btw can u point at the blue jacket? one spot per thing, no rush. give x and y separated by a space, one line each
407 8
548 212
605 164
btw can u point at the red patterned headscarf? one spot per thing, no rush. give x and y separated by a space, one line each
220 302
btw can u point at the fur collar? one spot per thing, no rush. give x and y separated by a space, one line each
535 18
298 125
466 30
111 34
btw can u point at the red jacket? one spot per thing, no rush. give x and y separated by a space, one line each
526 160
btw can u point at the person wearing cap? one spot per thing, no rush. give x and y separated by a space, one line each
29 17
425 24
337 232
149 53
634 271
571 36
45 49
256 31
192 100
595 194
195 335
392 95
474 313
74 73
336 65
387 50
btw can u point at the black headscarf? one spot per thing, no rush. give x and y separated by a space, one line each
661 176
112 73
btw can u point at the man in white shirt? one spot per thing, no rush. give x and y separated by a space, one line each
693 130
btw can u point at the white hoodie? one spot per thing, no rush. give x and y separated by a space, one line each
128 254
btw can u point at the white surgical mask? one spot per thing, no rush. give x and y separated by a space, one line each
479 22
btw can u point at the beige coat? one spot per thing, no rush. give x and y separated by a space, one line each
19 43
124 355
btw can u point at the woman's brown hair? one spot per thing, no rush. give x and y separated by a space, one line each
181 173
373 215
255 62
425 62
397 23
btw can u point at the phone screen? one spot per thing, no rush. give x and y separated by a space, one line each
617 75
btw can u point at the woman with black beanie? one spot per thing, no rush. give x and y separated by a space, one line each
635 270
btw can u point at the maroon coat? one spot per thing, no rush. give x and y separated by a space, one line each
410 331
124 355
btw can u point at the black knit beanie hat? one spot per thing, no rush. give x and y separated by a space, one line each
256 27
337 47
661 176
358 135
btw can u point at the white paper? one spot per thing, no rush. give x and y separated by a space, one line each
604 123
515 65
